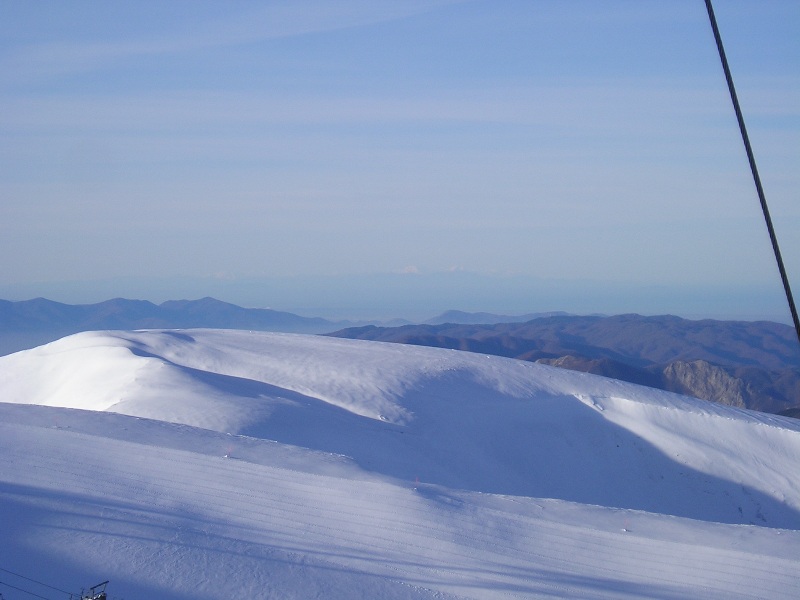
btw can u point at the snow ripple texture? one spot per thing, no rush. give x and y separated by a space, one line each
211 464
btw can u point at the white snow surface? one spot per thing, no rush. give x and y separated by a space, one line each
211 464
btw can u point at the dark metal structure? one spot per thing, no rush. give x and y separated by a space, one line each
97 592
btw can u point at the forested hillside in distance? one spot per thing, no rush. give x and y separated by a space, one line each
753 365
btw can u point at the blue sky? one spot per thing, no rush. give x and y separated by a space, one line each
370 158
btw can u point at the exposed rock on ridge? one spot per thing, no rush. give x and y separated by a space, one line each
703 380
754 365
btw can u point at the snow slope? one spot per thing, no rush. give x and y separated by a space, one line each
214 464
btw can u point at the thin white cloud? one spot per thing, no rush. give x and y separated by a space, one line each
409 270
277 20
569 106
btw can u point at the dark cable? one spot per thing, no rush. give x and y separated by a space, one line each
23 591
33 581
754 169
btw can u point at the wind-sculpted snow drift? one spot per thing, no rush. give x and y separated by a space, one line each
213 464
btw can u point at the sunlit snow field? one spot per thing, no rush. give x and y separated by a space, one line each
220 464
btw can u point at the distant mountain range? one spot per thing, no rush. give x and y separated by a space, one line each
746 364
29 323
754 365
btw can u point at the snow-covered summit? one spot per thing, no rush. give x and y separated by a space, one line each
407 471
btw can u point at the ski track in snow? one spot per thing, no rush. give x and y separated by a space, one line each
289 466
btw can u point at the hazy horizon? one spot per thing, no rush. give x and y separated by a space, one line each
349 158
418 297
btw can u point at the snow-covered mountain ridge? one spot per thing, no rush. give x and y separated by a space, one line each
396 471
